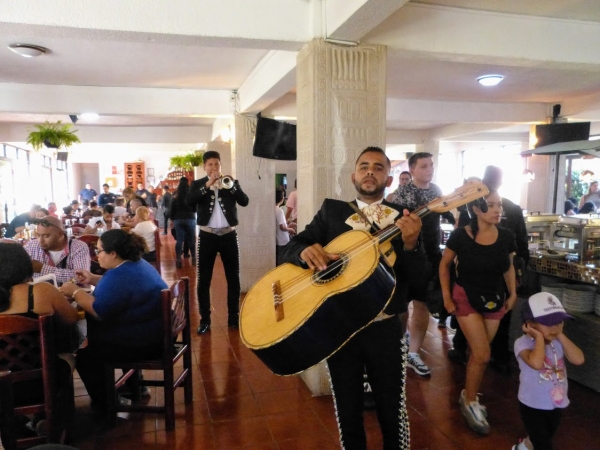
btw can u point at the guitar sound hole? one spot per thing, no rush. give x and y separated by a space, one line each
334 270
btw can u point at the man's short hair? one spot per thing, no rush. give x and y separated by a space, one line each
128 190
106 185
412 161
119 201
93 203
166 187
278 195
108 209
374 150
406 172
209 155
135 201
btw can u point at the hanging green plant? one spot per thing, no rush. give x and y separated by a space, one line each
53 135
187 162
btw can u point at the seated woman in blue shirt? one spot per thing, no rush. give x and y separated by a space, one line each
124 313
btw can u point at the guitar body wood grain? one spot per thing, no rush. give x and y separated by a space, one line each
319 316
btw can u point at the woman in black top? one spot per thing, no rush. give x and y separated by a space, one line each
184 221
484 256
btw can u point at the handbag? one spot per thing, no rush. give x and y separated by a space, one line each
484 301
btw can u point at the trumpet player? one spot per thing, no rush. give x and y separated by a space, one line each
215 198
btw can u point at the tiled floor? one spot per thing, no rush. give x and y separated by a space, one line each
238 403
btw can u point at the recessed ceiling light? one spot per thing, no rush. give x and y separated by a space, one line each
89 116
27 50
490 80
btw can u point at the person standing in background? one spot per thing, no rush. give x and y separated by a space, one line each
216 207
106 197
167 197
184 221
87 194
283 231
291 211
141 192
419 192
151 198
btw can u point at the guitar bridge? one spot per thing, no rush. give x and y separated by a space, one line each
277 301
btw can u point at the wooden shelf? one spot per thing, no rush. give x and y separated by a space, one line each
134 174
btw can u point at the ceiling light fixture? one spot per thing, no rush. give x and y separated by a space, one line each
27 50
89 116
490 80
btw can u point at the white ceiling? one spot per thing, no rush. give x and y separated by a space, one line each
173 63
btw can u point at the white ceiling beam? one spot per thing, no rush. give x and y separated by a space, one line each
411 110
132 135
350 20
459 130
401 137
226 21
45 99
272 78
475 36
492 137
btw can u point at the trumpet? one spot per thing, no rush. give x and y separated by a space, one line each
225 182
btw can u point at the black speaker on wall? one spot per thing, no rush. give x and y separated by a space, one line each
62 156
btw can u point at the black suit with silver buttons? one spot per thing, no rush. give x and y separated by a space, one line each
211 242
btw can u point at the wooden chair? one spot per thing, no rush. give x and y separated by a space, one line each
3 228
157 246
176 345
92 241
78 228
27 353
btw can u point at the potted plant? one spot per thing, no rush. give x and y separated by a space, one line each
53 135
187 162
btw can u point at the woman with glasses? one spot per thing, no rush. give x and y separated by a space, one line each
124 312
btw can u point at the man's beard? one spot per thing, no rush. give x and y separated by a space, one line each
376 192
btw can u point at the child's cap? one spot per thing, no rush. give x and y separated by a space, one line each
544 308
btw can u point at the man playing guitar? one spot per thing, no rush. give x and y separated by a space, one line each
379 346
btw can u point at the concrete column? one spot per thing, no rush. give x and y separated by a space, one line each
341 110
256 231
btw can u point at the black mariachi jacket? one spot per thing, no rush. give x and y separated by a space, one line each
411 267
203 199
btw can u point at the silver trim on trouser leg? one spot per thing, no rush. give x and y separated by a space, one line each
337 417
403 412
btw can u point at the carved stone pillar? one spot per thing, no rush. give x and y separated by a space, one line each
256 231
341 110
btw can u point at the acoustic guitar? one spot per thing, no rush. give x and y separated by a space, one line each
293 318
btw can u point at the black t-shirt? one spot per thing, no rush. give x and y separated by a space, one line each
479 265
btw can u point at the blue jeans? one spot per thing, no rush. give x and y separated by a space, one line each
185 230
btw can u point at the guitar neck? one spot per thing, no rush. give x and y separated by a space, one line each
392 231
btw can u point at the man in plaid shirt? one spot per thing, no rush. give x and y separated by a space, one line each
53 252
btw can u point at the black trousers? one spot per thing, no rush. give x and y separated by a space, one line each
166 215
209 245
91 359
541 425
380 350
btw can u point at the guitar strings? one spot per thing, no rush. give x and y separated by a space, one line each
299 283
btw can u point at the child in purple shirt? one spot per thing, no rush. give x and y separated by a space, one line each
541 354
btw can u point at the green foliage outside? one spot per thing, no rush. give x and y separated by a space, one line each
578 187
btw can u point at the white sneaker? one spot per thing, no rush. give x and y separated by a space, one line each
415 362
475 414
